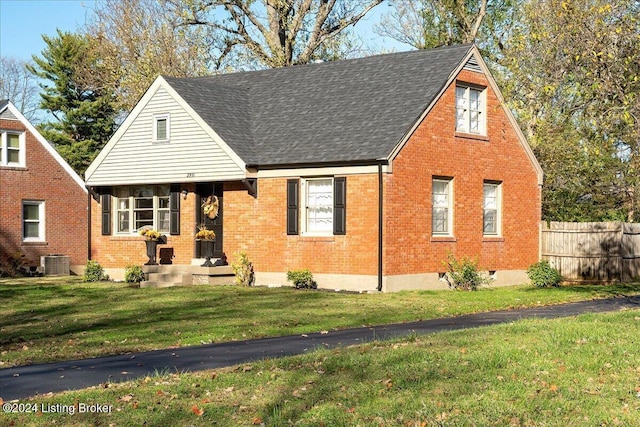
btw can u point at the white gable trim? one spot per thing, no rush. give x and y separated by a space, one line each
474 53
160 82
58 158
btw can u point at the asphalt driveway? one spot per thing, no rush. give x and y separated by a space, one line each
24 381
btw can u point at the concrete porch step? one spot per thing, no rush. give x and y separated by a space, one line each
167 275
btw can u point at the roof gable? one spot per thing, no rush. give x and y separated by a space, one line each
132 156
7 106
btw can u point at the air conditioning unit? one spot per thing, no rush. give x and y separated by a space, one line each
55 265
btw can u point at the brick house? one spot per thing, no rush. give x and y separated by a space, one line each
365 171
43 202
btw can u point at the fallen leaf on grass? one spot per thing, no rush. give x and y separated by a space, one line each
256 421
197 410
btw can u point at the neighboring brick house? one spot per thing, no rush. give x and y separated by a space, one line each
365 171
43 202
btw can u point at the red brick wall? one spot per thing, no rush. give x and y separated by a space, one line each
257 226
65 204
434 149
119 251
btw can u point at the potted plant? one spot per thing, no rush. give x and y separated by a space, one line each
206 238
151 239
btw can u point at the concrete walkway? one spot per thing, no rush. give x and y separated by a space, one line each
21 382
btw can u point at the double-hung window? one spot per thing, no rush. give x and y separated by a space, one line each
12 149
33 221
491 208
316 206
470 110
141 206
442 207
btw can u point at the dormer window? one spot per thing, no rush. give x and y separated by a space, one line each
470 110
161 128
12 151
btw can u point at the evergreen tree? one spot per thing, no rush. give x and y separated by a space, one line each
83 110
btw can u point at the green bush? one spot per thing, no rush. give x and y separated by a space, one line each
133 274
243 269
543 275
93 272
302 279
464 274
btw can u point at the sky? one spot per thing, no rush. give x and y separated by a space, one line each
22 23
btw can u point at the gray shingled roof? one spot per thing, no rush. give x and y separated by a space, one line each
344 111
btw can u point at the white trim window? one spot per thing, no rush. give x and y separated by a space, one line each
491 208
12 151
161 128
33 223
141 206
318 199
442 207
470 110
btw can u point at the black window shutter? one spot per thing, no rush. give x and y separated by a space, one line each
293 191
340 205
105 202
174 210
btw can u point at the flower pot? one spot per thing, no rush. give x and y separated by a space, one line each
213 214
207 251
152 245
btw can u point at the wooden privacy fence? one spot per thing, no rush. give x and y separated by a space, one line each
592 251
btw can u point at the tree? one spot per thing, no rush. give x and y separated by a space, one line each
573 80
136 40
83 109
426 24
271 33
19 86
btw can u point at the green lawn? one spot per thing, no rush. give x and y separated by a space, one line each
45 320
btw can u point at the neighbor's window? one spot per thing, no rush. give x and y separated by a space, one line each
470 110
12 149
33 221
141 206
442 208
161 127
491 208
318 197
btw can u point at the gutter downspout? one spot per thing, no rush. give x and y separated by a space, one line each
380 224
89 197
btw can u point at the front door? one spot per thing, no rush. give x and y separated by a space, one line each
204 190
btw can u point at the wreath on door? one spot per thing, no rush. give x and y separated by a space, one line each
211 206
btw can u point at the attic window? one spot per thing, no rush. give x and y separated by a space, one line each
12 152
470 109
161 128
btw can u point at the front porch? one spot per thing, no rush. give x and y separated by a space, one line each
167 275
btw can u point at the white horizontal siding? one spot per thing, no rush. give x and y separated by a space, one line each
190 155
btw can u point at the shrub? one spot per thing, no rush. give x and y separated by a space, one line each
12 264
133 274
243 269
93 272
542 274
464 274
302 279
